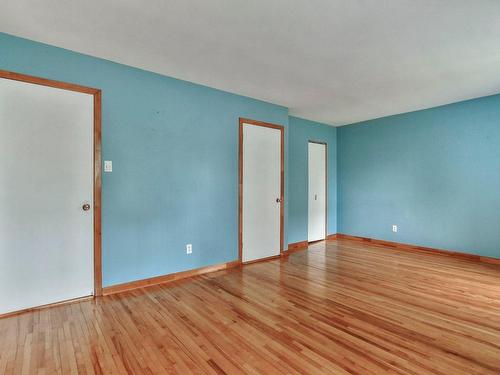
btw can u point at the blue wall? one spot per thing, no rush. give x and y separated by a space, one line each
174 147
301 132
435 173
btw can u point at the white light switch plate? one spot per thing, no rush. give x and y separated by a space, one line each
108 166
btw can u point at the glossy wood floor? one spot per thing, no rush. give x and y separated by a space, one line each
341 307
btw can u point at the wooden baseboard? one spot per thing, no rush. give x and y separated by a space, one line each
303 245
409 247
66 302
294 246
163 279
264 259
167 278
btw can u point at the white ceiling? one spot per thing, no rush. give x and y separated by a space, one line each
335 61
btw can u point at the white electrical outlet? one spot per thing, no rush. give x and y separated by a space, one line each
394 228
108 166
189 248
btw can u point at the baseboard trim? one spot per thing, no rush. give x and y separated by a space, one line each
295 246
264 259
303 245
167 278
49 305
416 248
163 279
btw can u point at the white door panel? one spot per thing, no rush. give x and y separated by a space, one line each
317 192
261 188
46 174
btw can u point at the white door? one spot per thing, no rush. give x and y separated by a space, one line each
317 192
46 174
261 192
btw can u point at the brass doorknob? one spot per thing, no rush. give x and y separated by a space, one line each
86 207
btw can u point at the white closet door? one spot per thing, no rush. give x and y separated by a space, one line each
46 174
317 192
261 192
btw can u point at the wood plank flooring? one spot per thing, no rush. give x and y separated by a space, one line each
342 307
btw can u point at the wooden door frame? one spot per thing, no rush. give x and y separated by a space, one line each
281 128
326 184
97 180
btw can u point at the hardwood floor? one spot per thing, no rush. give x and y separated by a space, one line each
340 307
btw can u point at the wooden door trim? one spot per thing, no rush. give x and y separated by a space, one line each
281 128
97 180
326 182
